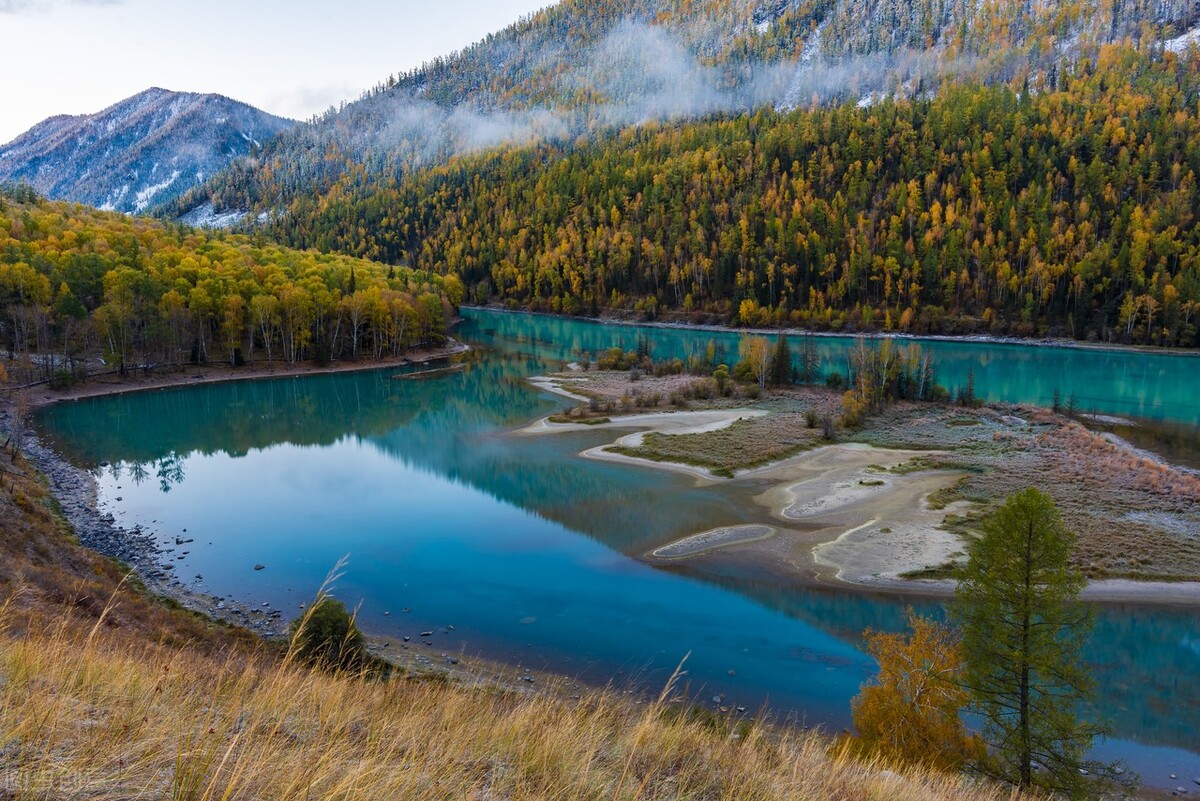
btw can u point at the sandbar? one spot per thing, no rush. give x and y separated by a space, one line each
711 540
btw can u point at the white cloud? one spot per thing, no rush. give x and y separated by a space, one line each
302 102
23 6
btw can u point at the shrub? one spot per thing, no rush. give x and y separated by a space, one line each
721 376
835 380
811 418
63 379
327 637
854 410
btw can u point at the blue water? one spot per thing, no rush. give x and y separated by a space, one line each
517 549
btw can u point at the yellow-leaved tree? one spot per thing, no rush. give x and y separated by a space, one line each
911 713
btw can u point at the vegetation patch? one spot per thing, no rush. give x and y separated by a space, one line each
744 445
567 419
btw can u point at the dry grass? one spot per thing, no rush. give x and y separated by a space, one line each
101 717
742 445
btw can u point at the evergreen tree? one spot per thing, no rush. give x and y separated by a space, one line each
782 366
810 360
1022 636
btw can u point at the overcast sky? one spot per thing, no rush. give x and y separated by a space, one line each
288 57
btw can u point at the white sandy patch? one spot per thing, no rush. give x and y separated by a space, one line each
553 386
863 524
712 540
877 550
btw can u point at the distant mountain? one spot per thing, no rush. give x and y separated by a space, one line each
583 66
143 151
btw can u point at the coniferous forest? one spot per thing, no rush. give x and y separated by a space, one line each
1069 211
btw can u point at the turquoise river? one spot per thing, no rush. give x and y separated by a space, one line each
519 550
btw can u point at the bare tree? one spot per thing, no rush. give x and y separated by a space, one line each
16 437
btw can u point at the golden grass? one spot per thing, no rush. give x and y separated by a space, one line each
84 714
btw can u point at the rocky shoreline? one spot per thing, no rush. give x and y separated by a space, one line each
138 548
149 555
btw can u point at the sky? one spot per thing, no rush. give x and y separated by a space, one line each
294 58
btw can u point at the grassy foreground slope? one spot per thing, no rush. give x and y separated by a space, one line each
106 693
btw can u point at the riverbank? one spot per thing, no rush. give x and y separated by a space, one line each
891 506
74 488
193 375
986 339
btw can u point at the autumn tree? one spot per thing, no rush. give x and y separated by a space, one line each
911 711
1023 634
755 355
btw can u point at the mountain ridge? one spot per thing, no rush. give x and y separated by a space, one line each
586 65
144 150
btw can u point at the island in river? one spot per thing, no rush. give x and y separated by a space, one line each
892 504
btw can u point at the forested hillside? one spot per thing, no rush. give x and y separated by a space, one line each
583 66
75 282
1070 210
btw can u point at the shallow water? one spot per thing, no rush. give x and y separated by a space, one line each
521 546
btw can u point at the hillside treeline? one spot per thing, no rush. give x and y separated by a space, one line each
1068 210
580 67
75 282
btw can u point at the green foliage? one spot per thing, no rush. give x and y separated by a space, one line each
1023 632
327 637
721 376
783 366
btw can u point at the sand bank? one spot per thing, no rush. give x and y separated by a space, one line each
711 540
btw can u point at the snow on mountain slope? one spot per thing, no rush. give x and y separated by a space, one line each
143 151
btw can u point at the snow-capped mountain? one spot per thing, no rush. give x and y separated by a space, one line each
143 151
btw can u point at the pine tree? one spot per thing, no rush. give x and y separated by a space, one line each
1022 636
782 366
810 360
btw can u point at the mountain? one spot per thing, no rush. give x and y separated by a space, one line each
1065 207
586 66
145 150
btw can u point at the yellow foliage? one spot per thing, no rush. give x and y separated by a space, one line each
911 712
854 410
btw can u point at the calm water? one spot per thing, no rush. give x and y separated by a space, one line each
524 548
